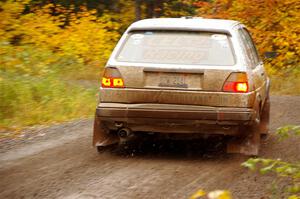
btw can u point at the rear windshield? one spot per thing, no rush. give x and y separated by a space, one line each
173 47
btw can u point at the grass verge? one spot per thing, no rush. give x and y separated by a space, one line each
289 85
27 100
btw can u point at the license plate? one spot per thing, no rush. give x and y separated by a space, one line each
172 80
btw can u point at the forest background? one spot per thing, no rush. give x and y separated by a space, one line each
52 52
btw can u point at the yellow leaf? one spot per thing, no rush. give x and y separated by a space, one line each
293 197
198 194
219 194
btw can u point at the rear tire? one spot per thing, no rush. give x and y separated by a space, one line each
101 149
265 118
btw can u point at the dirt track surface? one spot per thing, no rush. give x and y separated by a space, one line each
61 163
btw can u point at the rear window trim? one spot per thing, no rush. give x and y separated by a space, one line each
137 30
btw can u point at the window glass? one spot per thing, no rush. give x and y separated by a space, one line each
251 49
177 47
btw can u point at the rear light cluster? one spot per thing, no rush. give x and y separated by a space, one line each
112 78
236 82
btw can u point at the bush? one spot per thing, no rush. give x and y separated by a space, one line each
63 31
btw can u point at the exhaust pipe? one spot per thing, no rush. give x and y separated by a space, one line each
124 132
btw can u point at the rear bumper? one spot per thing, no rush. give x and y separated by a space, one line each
180 97
168 111
170 118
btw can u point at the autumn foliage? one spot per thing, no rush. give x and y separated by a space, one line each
90 36
81 34
274 25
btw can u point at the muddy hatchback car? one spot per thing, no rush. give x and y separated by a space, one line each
186 77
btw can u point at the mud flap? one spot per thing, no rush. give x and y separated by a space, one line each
265 118
101 136
247 145
249 141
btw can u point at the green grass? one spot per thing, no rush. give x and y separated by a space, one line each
38 86
27 100
289 85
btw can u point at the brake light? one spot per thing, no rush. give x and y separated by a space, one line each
236 82
112 78
241 86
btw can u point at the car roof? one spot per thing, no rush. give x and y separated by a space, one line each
184 23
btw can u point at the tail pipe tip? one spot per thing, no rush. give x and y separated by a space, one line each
124 132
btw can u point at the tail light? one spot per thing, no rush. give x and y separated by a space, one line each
112 78
237 83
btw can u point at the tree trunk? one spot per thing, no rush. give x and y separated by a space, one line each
158 8
137 10
149 9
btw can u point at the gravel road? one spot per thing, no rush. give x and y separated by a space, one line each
59 162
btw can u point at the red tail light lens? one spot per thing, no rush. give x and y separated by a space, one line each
112 78
236 82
